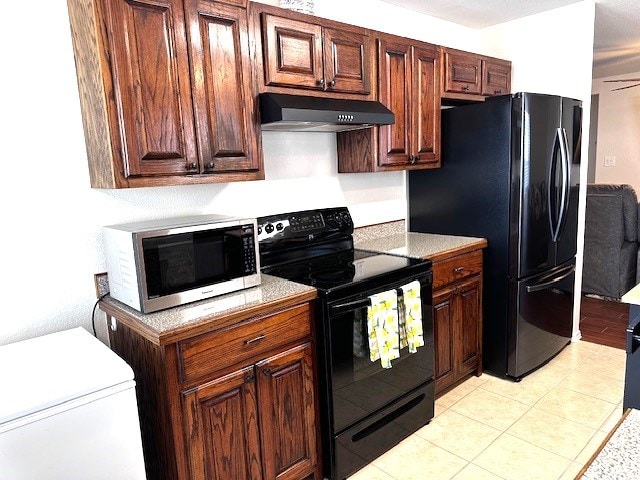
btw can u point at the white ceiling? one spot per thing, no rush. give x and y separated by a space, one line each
617 28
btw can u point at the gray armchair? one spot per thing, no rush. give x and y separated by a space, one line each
611 257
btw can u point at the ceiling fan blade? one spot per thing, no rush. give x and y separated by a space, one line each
628 86
625 80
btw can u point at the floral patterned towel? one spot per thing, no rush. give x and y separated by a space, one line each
411 320
383 328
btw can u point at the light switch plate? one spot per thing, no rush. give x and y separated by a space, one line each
609 161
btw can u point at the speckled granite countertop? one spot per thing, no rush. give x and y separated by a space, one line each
170 325
423 245
619 458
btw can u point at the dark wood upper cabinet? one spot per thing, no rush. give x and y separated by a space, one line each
496 77
152 86
408 80
469 77
347 56
166 91
409 85
394 91
293 53
222 93
463 72
318 56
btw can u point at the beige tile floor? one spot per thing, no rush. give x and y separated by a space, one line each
544 428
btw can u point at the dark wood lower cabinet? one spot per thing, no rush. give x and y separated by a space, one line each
287 415
272 400
227 403
221 418
457 308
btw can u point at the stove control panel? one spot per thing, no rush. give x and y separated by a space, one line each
305 224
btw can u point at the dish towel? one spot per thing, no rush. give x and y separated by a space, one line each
359 334
410 309
383 328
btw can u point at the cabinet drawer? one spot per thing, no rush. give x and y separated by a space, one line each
217 350
456 268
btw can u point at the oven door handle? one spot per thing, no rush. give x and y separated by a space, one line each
341 308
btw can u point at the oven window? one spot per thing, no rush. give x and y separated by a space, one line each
360 386
181 262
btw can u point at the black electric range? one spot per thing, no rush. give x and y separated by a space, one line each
365 409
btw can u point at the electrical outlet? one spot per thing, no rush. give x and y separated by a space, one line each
609 161
101 282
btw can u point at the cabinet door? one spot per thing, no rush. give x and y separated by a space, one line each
394 77
443 325
347 58
292 53
287 414
468 326
496 77
463 72
222 93
426 105
221 428
151 86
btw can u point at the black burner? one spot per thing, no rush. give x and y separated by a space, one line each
342 269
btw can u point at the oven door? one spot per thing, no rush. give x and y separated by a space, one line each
360 387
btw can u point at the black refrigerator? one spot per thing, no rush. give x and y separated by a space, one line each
510 172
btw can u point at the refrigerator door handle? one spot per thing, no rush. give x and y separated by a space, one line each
545 285
552 170
558 144
564 151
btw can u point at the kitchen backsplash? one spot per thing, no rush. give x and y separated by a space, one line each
371 232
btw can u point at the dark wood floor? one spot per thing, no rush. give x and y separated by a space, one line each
604 321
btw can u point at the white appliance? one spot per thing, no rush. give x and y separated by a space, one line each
67 410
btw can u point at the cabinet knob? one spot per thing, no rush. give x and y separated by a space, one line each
465 88
497 92
210 166
332 83
321 82
413 159
267 371
192 166
458 269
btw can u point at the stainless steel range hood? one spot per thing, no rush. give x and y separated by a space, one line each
282 112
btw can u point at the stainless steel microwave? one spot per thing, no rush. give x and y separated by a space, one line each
159 264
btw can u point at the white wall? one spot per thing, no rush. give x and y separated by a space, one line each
552 52
618 131
52 219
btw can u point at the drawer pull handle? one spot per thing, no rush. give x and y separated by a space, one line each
458 269
254 340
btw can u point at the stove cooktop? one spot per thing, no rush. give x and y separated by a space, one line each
345 268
